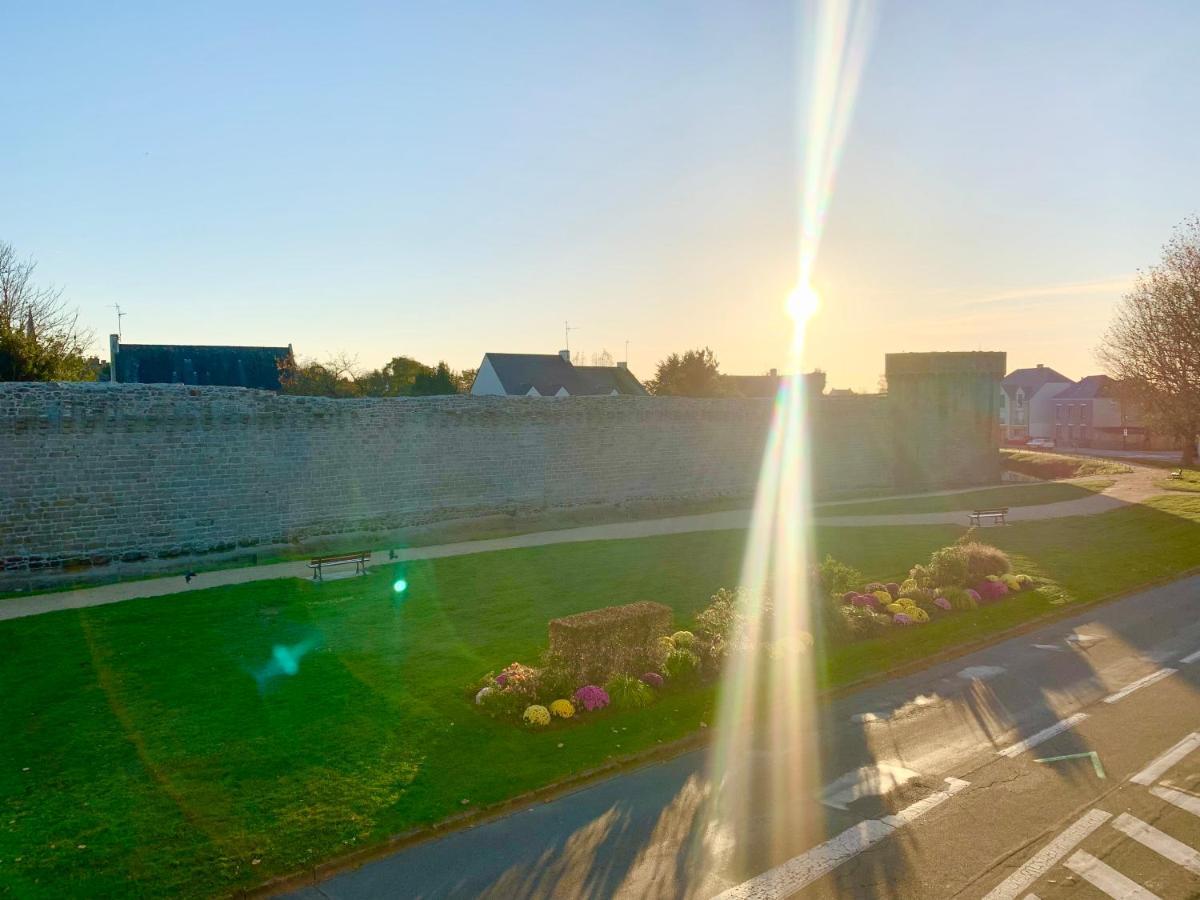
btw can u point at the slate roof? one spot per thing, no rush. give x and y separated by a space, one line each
768 385
251 367
548 372
1089 388
1033 378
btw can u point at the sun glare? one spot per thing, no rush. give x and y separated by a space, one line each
803 302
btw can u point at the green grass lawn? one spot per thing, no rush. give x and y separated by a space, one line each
1006 495
1057 465
142 755
1189 481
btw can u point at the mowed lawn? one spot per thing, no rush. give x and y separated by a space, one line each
153 747
1008 495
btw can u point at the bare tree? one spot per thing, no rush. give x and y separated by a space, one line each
1153 344
603 358
40 337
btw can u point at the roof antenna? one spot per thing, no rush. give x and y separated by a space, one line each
626 351
120 316
567 329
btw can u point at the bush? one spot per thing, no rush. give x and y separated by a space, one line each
518 679
991 591
501 704
918 595
617 640
856 622
682 666
959 598
628 692
653 679
683 640
963 564
921 577
554 680
591 698
537 716
835 578
563 709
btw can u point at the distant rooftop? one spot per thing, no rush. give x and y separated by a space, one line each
1033 378
1089 388
250 367
547 374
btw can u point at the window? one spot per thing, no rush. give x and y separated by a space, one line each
1057 412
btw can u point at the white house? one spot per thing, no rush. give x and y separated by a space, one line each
551 375
1027 398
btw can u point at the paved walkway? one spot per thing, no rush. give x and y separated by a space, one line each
1129 488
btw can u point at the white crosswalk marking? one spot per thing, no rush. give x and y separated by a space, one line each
1044 735
1149 774
1178 798
1161 843
1140 683
1046 859
1105 878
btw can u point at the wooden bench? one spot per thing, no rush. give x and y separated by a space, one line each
360 559
998 515
1176 473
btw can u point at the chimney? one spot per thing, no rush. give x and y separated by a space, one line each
623 365
565 354
1041 366
774 373
114 346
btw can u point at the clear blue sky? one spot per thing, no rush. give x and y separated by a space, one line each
438 182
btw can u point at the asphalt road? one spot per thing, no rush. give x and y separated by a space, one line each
962 805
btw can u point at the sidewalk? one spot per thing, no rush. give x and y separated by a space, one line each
1134 487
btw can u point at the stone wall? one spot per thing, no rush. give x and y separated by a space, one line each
94 473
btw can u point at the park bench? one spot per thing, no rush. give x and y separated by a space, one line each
998 515
1176 473
359 558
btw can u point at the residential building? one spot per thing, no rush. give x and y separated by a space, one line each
767 385
1027 398
551 375
1093 414
250 367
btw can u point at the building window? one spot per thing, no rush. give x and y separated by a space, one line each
1057 412
1058 432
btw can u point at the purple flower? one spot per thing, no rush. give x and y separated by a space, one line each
892 588
902 619
653 679
502 679
849 596
591 697
990 591
866 600
941 603
974 595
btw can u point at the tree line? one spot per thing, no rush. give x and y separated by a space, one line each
402 376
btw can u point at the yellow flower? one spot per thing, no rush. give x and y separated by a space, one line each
536 715
562 708
883 596
896 608
919 615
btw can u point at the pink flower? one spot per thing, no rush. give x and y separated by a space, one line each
902 619
591 697
941 603
653 679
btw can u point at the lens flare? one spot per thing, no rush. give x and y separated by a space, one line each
400 585
764 765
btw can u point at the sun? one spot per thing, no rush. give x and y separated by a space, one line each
803 302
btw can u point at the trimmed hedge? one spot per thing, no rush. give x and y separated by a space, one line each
593 646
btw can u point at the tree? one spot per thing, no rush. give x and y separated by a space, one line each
466 378
434 382
40 338
603 358
333 378
695 374
1152 346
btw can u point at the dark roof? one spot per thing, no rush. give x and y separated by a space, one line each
767 385
606 379
251 367
1089 388
1032 378
548 372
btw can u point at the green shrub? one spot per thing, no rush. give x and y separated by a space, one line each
555 680
984 560
853 623
958 597
617 640
921 576
684 640
963 565
835 578
627 692
918 595
682 666
501 704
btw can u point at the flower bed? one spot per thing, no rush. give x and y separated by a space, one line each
625 658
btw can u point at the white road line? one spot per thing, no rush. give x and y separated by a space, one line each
1150 774
1140 683
1048 857
1044 735
1106 878
1191 657
1178 798
800 871
1161 843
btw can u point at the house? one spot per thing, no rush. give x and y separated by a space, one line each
1027 398
551 375
767 385
250 367
1093 414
